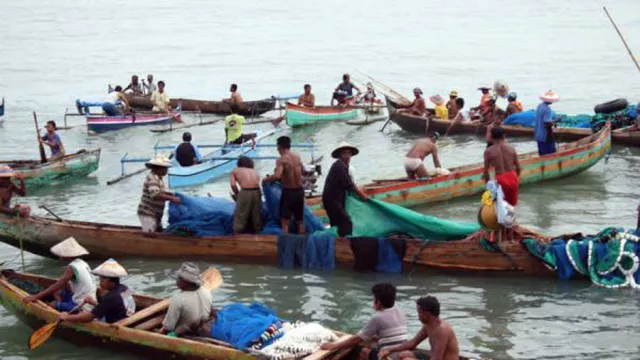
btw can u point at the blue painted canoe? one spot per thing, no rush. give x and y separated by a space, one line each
101 123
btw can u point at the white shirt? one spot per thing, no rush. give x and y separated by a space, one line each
112 98
82 284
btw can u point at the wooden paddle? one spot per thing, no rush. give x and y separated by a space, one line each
44 333
43 155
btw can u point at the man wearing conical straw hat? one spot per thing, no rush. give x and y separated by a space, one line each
544 124
154 195
8 188
116 304
76 286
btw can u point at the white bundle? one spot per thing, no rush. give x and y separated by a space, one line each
299 339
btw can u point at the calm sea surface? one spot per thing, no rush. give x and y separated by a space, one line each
54 52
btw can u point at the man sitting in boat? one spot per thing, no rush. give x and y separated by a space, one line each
76 285
544 124
461 114
413 161
442 338
52 140
191 306
160 99
248 197
235 98
440 109
8 188
186 154
418 106
336 186
233 127
154 195
307 98
118 302
484 100
134 87
113 99
370 96
343 93
388 327
452 106
149 86
288 171
514 106
492 113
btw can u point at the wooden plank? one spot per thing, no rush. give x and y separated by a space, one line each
162 305
125 176
151 324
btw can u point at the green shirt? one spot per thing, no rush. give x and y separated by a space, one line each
233 124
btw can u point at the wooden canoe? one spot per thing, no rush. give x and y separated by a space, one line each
247 108
39 234
570 159
37 174
301 115
417 125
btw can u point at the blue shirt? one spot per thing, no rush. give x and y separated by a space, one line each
54 139
543 115
195 149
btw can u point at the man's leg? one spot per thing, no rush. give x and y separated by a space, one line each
284 224
241 214
421 172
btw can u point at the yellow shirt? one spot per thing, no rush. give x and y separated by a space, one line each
442 112
160 101
233 124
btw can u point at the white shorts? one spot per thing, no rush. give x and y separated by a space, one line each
149 224
411 164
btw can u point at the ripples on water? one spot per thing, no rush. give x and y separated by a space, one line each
53 53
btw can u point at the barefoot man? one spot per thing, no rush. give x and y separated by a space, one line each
307 99
418 106
289 171
8 188
504 159
248 197
413 162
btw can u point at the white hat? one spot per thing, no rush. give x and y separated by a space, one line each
437 99
69 249
344 145
189 272
110 269
417 90
159 160
549 97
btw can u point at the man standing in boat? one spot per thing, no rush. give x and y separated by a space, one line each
413 161
336 186
544 124
160 99
418 106
307 99
235 98
345 87
8 188
452 106
186 153
289 170
248 197
52 140
154 195
233 127
150 87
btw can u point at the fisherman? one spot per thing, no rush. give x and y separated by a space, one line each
336 185
370 95
76 284
52 140
461 115
154 195
248 197
514 106
504 159
235 98
441 109
492 113
388 327
191 306
160 99
186 153
442 338
8 188
289 169
484 100
452 106
413 161
307 99
346 88
149 87
233 126
418 106
114 98
118 302
544 124
134 87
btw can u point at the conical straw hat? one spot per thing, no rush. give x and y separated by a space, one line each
69 249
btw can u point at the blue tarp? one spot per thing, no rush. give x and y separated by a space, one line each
315 251
524 118
272 194
241 325
388 259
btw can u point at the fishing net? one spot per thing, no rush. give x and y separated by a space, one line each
618 119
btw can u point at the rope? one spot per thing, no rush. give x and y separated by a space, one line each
414 261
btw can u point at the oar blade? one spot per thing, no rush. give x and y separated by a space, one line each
211 278
41 335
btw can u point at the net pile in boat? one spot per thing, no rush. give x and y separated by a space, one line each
299 339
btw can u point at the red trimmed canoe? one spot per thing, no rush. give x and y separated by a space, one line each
247 108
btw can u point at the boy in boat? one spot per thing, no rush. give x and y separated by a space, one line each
8 188
235 98
544 124
116 304
388 326
52 140
134 87
442 338
160 99
288 171
452 106
233 127
307 99
413 161
336 186
154 195
346 89
191 306
186 153
76 285
113 99
248 197
514 106
418 106
149 87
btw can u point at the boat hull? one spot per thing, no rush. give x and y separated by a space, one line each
300 116
98 124
247 108
2 111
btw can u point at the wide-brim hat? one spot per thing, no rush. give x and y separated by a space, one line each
454 93
190 273
550 97
417 90
6 171
484 88
68 249
344 145
110 269
437 99
159 161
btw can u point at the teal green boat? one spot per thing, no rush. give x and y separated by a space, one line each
301 115
37 174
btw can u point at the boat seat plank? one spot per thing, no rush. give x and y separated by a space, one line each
152 323
145 313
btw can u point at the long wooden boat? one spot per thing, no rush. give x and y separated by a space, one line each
37 174
417 125
247 108
102 123
301 115
213 166
570 159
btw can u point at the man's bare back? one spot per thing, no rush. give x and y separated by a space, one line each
421 149
246 178
502 156
291 171
443 335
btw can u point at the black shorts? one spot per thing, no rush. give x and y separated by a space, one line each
339 218
292 204
243 138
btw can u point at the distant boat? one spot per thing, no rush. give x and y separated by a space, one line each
102 123
246 108
2 111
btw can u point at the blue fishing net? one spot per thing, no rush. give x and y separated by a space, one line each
241 325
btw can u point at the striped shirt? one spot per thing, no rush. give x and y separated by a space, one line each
149 206
389 325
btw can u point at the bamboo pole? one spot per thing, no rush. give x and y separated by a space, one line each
633 58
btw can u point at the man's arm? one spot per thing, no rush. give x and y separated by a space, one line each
277 173
233 182
436 159
407 345
81 317
312 102
516 162
352 341
56 286
124 100
171 319
485 173
198 154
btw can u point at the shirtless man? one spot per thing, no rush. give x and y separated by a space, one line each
452 106
235 98
248 197
497 122
307 99
289 169
8 188
418 106
413 161
504 159
134 87
442 338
